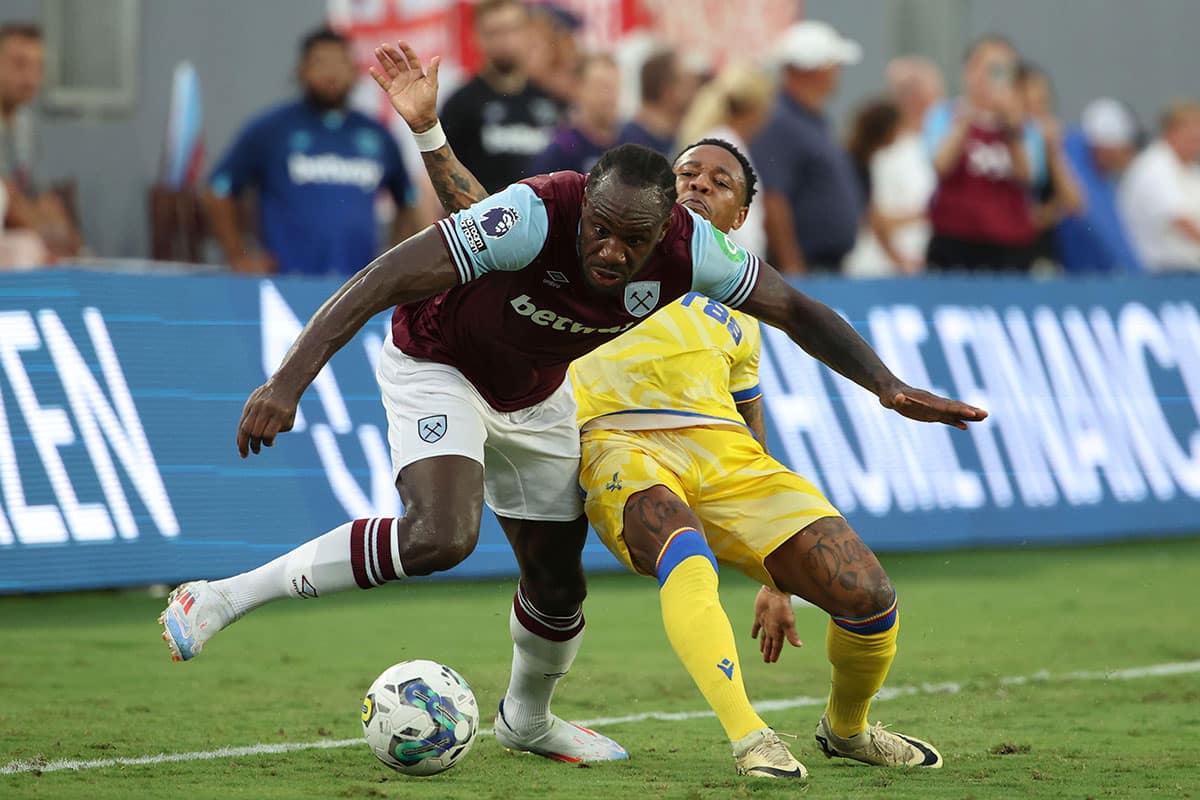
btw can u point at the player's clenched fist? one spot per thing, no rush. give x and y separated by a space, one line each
270 410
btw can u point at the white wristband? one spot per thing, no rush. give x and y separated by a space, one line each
432 139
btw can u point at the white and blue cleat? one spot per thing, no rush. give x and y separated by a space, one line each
560 741
195 612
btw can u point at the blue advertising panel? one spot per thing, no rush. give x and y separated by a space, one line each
119 397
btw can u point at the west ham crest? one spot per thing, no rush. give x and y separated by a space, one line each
641 297
431 429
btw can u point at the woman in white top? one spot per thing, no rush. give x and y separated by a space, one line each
734 106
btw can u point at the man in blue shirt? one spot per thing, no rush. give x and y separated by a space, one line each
811 194
667 90
591 126
316 167
1095 239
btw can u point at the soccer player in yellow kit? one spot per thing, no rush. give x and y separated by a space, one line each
676 483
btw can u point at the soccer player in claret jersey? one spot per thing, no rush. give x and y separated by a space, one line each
491 306
674 481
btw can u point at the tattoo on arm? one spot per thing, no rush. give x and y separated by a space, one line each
456 187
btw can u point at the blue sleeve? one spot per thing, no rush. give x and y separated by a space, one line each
243 163
937 124
504 232
720 268
395 176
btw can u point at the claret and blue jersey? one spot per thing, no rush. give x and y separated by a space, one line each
317 174
523 311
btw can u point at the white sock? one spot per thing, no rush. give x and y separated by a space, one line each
363 554
543 649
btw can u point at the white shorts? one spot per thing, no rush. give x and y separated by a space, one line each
530 457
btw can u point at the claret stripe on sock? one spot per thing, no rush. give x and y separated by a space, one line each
876 623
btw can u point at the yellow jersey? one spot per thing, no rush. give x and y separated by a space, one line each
689 364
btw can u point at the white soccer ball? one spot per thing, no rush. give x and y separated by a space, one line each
420 717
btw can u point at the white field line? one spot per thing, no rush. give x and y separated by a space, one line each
1151 671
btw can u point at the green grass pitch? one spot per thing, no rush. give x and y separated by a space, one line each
85 676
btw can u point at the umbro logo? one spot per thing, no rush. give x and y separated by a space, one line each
555 279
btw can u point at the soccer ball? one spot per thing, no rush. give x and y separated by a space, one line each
420 717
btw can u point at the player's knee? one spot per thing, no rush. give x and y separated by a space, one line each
874 595
438 539
558 592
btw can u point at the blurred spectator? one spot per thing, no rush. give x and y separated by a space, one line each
18 249
734 106
499 120
902 178
981 213
1056 193
553 50
591 123
875 127
811 196
1160 195
316 167
1094 239
40 214
666 91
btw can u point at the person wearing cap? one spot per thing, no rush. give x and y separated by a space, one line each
1094 239
811 196
1160 195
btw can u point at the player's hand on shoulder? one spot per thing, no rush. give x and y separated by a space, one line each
270 410
774 619
925 406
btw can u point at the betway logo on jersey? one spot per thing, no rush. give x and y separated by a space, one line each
524 306
333 169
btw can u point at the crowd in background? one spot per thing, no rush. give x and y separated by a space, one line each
989 180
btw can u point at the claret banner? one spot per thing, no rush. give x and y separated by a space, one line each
119 397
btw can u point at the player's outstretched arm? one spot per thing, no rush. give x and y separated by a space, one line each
827 337
412 90
416 268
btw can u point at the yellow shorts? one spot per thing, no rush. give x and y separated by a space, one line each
748 502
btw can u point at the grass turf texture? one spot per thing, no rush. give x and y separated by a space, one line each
85 676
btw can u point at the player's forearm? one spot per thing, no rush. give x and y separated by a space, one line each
820 331
456 187
222 216
827 337
412 270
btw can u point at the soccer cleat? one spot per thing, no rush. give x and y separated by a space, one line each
761 754
195 612
878 746
561 741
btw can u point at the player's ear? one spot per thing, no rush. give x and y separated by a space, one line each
740 219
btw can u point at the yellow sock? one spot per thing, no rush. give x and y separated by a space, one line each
699 630
861 652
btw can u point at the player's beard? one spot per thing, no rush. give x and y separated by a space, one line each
324 101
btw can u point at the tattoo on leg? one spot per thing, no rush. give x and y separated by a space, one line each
654 514
842 561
